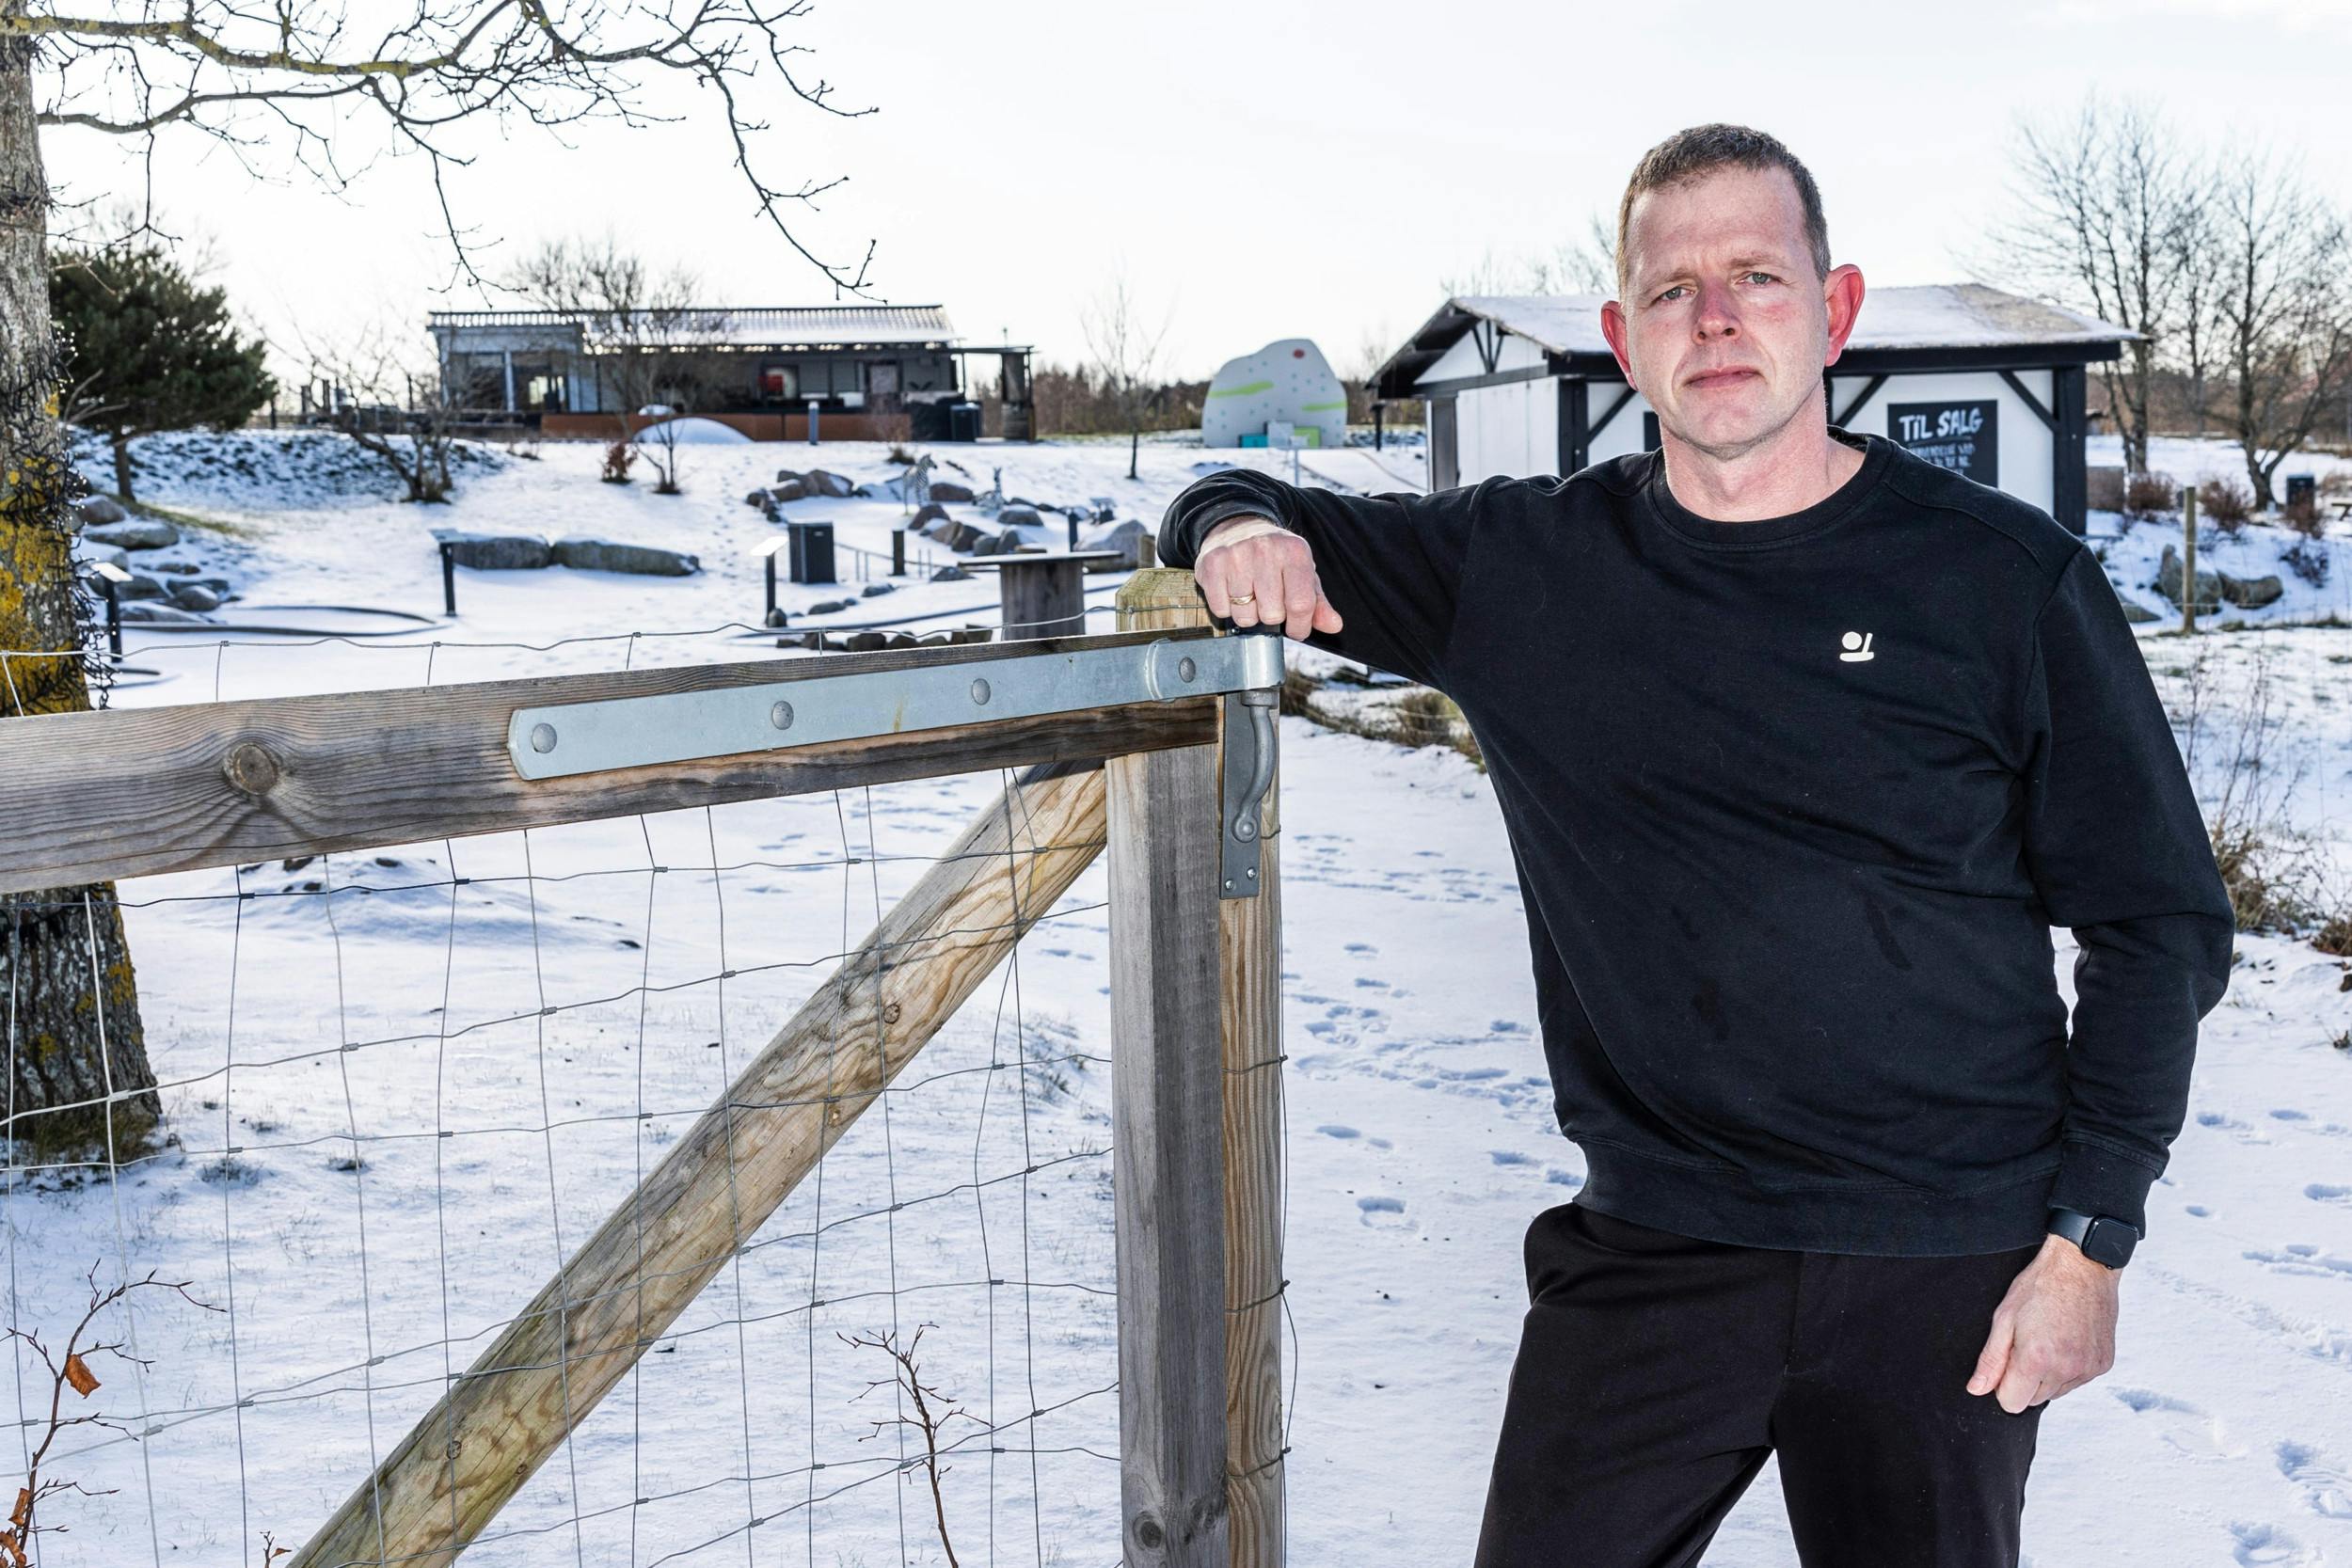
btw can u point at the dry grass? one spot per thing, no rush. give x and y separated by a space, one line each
2276 873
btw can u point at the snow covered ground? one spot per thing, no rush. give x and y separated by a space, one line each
363 1003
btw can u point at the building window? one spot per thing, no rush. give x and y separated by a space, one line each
539 388
779 383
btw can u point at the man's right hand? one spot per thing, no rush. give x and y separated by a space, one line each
1252 569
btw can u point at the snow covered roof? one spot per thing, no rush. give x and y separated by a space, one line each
738 325
1932 316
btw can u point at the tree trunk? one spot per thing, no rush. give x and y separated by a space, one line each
55 998
1134 450
2258 476
2135 428
122 465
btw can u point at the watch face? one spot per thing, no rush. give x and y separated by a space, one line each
2108 1242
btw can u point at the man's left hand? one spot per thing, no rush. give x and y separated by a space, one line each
2053 1331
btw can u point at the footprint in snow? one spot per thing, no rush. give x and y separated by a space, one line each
2268 1547
2300 1258
1364 949
2303 1119
1509 1157
1331 1131
2181 1425
1383 1214
2322 1192
2231 1125
2326 1490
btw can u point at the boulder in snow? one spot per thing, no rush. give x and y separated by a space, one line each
503 552
875 589
99 509
2251 593
194 595
824 481
2214 589
1018 515
2168 582
1125 537
792 488
133 533
948 490
604 555
926 515
950 574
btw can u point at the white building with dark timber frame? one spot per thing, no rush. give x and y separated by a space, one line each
1985 382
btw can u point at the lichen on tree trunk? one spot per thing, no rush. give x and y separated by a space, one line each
66 1096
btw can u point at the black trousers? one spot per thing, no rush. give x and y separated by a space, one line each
1655 1373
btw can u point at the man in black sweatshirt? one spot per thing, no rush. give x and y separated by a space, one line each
1802 744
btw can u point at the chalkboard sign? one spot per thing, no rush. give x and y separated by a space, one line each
1962 436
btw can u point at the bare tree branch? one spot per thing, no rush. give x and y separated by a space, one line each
212 66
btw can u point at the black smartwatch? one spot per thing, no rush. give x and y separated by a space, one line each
2102 1238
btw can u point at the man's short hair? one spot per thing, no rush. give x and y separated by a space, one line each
1694 154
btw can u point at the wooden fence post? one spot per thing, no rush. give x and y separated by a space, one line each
2188 558
1214 1213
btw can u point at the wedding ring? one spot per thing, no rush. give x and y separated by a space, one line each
1241 599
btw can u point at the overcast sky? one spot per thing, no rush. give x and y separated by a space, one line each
1259 170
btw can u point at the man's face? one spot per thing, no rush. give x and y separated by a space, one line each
1724 325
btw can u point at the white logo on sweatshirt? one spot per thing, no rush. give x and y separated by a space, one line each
1857 646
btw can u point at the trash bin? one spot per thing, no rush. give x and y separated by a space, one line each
812 552
963 422
2302 492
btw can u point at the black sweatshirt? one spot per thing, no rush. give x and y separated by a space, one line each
1793 804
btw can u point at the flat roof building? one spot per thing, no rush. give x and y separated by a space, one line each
868 371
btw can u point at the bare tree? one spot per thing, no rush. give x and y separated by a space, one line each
303 71
933 1411
2195 347
2102 204
2281 253
400 415
640 325
1585 266
68 1368
1126 355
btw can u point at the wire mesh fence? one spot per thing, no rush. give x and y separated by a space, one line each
401 1089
